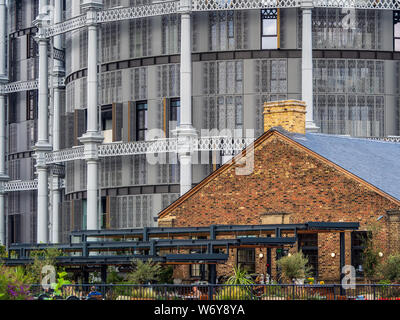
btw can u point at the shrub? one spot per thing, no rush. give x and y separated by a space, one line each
41 259
390 269
293 267
144 272
240 276
233 293
14 284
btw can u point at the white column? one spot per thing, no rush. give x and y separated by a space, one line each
3 80
185 132
58 72
42 146
307 64
92 138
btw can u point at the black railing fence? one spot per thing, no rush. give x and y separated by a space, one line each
220 292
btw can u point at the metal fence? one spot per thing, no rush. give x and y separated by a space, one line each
221 292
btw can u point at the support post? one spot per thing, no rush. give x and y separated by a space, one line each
3 80
342 259
58 72
307 64
42 146
185 132
92 138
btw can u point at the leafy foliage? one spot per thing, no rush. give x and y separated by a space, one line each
240 276
371 261
14 284
166 275
390 269
60 283
43 258
144 272
112 276
294 267
233 293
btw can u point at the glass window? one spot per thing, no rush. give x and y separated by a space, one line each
358 239
106 118
308 244
175 114
141 121
269 32
396 30
246 259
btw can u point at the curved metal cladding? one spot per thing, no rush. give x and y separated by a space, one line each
241 58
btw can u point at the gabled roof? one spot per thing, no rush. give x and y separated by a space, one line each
374 163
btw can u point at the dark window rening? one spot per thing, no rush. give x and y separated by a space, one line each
106 118
308 244
246 259
269 29
141 121
175 107
358 239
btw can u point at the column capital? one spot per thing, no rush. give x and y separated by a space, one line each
42 21
307 4
91 141
185 136
185 6
91 7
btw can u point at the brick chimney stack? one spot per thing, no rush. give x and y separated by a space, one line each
289 114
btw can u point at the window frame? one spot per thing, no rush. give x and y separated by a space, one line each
244 263
139 110
396 21
270 14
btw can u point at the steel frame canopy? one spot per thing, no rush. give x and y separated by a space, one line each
154 240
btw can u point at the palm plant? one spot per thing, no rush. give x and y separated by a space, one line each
240 276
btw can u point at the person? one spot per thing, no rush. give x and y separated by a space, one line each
93 294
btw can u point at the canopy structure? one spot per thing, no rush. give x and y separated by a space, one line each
97 249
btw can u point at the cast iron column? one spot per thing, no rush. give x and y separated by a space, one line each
185 132
3 97
307 64
92 138
42 146
58 72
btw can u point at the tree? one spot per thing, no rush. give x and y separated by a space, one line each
144 272
294 267
371 259
43 258
390 269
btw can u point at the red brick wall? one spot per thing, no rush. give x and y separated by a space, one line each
287 179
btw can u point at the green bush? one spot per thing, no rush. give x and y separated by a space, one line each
390 269
294 267
144 272
14 284
233 293
240 276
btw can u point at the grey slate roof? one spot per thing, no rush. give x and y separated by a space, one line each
377 162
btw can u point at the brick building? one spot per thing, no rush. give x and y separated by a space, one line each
298 177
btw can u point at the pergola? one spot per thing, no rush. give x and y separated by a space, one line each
97 249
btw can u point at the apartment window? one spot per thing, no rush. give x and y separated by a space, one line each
396 30
141 121
174 108
358 239
31 105
308 244
246 259
106 118
269 32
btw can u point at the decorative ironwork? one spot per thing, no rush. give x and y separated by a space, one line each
213 5
138 147
19 86
387 139
66 26
65 155
359 4
19 185
59 54
151 10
